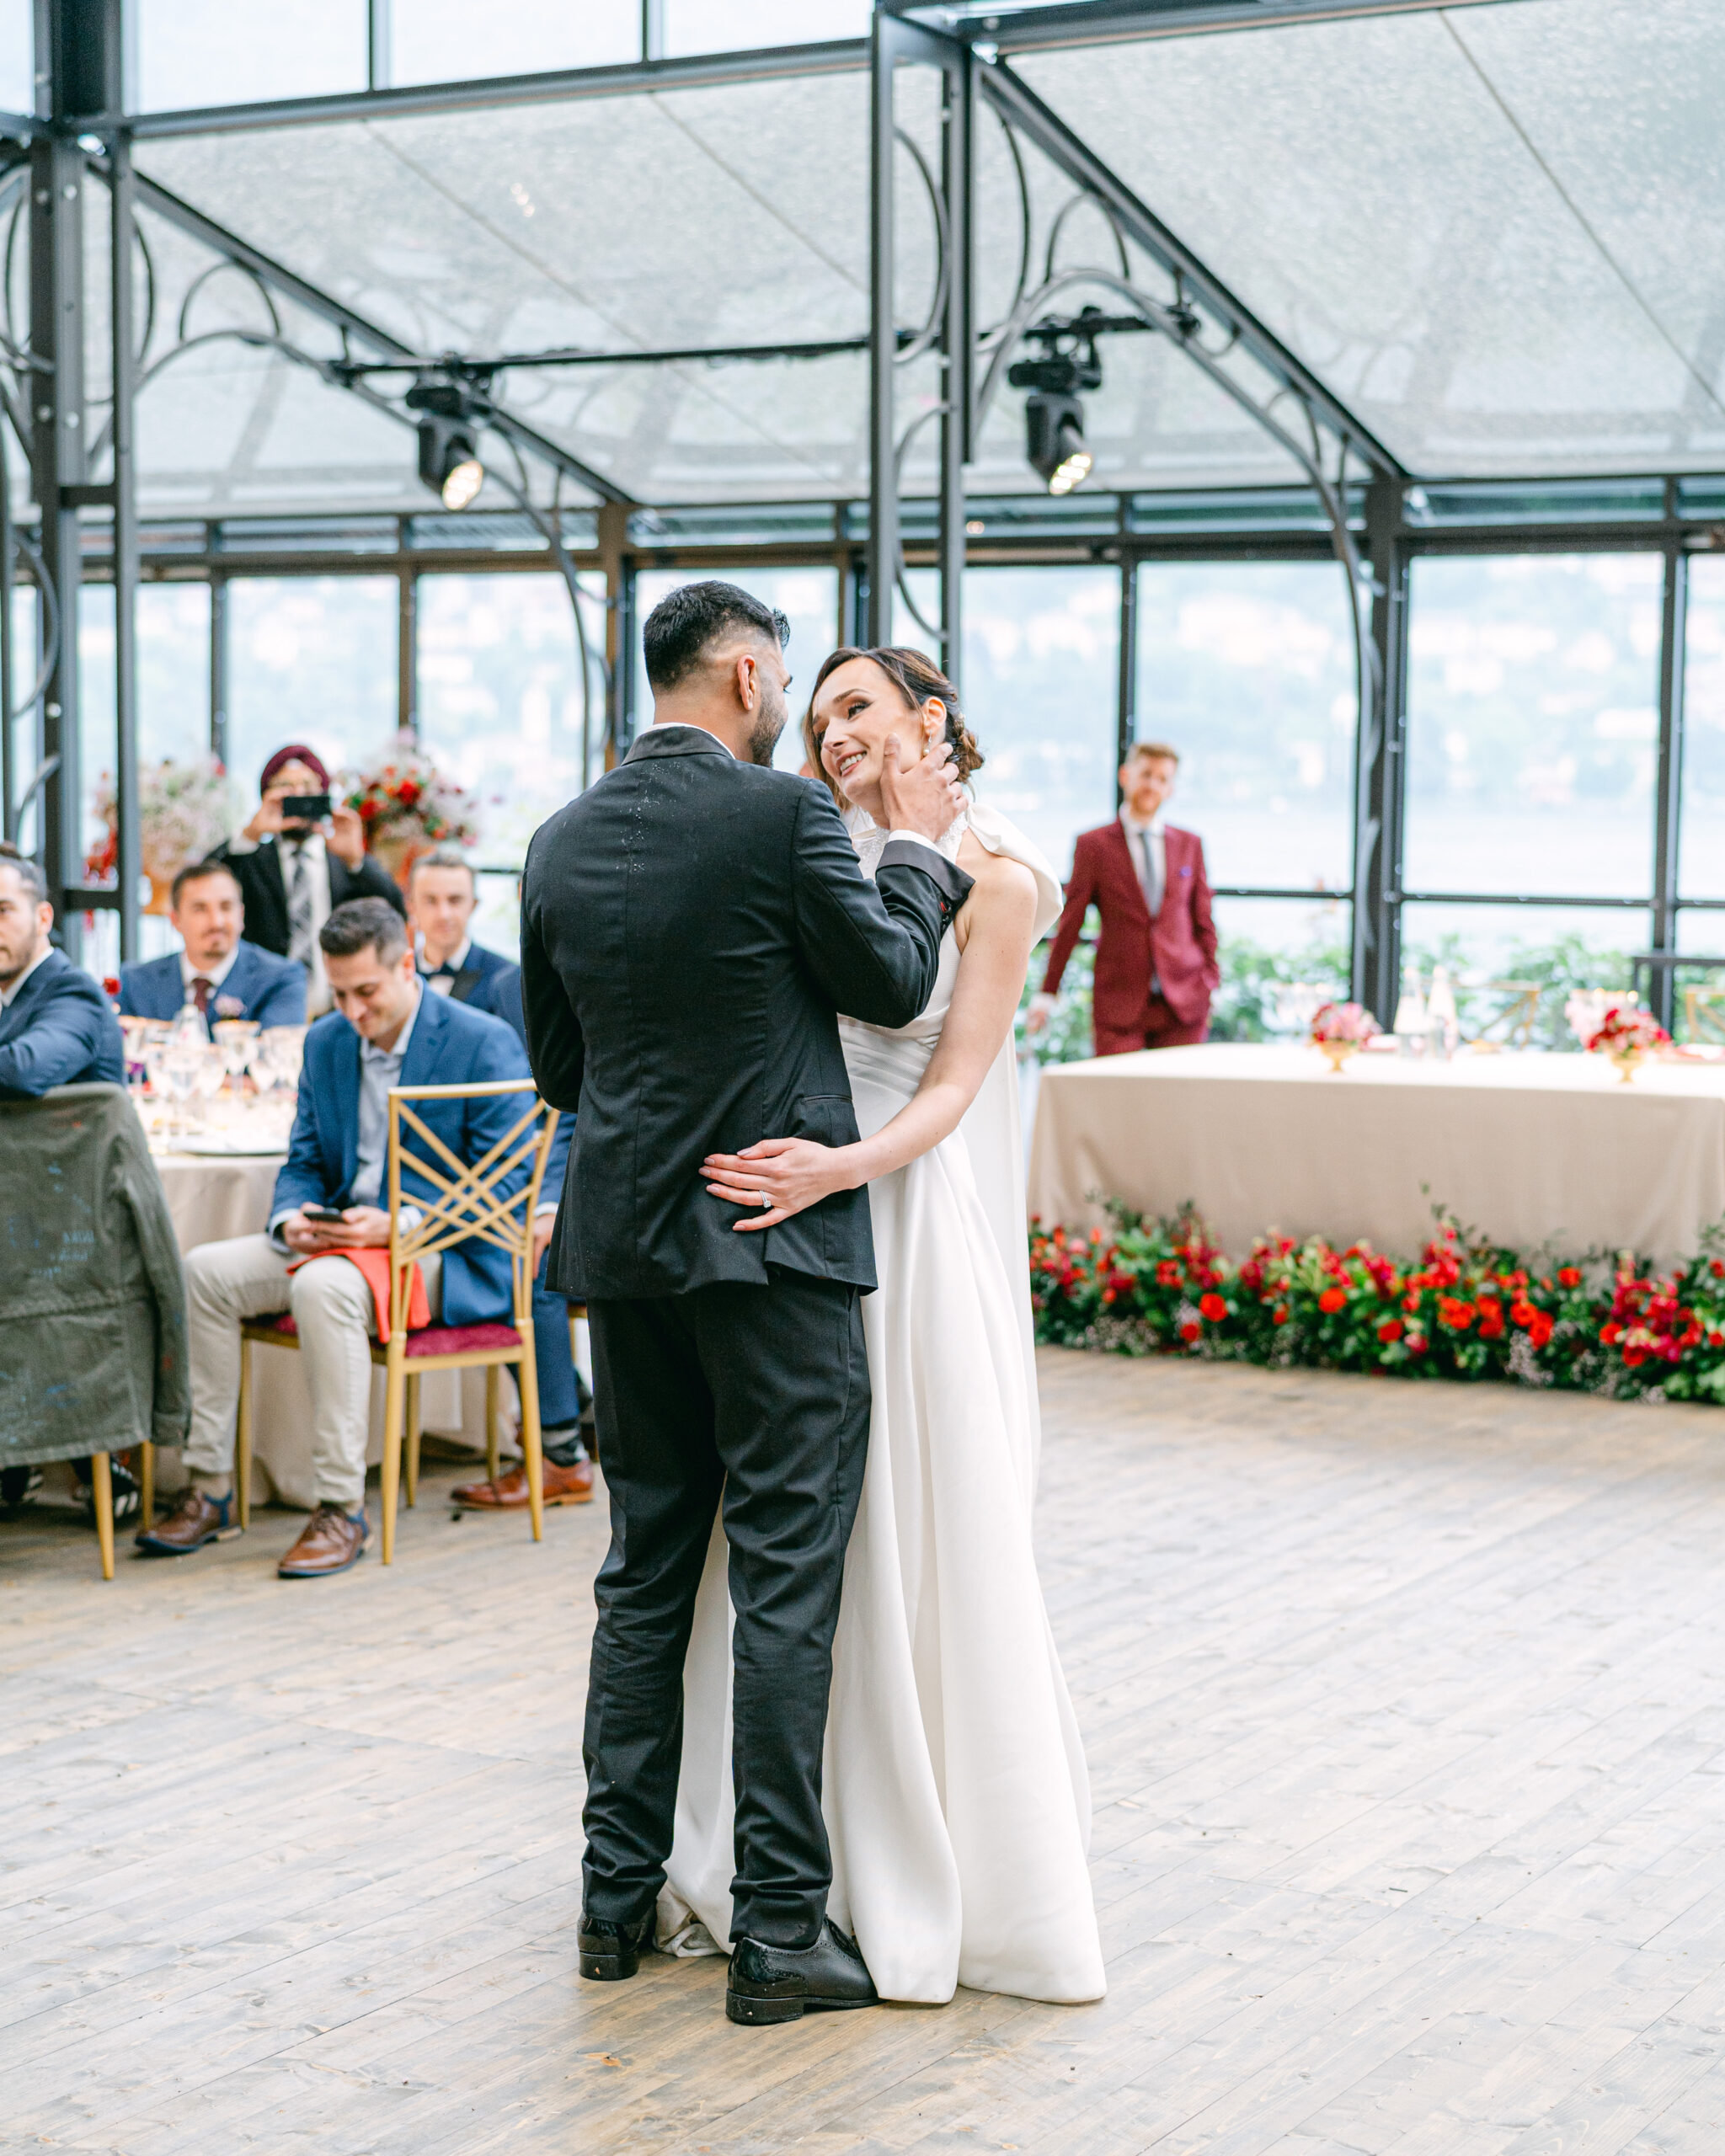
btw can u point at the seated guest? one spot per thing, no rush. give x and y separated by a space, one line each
386 1031
565 1404
441 897
293 872
218 971
56 1027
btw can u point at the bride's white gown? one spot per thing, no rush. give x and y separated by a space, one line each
955 1791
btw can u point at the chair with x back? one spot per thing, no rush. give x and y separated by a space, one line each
457 1203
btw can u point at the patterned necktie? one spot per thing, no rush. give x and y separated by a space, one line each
202 988
299 909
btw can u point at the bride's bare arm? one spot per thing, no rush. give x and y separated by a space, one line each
994 932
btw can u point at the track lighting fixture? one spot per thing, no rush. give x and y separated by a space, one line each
449 456
1053 414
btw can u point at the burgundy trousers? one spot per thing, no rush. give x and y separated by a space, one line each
1164 1030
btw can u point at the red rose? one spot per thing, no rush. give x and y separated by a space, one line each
1167 1273
1415 1343
1212 1307
111 983
1333 1300
1279 1314
1609 1335
1189 1333
1390 1331
1568 1275
1633 1356
1716 1268
1492 1328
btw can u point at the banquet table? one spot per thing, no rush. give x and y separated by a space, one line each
213 1197
1530 1148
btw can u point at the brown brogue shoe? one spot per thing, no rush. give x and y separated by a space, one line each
195 1520
330 1541
562 1485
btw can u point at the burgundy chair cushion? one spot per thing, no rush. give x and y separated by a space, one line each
458 1339
435 1340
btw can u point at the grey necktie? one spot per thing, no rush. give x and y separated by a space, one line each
1147 875
299 908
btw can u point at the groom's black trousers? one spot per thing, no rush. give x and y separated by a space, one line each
761 1392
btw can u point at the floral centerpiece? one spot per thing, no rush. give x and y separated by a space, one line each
408 805
1629 1037
185 810
1339 1028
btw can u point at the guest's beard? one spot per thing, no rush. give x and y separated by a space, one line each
769 723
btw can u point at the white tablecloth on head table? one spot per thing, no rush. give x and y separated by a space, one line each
212 1198
1529 1149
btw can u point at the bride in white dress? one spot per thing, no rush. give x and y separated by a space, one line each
955 1792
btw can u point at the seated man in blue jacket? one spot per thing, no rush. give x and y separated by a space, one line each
218 971
56 1027
386 1030
442 899
565 1405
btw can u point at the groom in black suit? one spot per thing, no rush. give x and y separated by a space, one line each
690 926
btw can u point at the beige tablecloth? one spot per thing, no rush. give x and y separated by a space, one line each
213 1199
1529 1149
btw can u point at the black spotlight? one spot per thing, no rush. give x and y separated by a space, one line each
1054 427
449 456
1054 416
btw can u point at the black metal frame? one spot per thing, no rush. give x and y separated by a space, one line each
82 96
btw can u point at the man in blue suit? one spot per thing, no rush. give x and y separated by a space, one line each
217 970
386 1030
56 1027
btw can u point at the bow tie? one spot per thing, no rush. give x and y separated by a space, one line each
444 972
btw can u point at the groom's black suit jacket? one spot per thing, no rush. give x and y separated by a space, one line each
690 925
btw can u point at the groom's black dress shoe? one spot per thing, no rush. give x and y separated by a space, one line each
782 1984
612 1952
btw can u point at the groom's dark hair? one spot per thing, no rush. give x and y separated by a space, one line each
687 623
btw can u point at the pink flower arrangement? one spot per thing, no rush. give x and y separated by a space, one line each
1626 1030
1342 1022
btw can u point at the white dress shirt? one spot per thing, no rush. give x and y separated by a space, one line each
214 974
318 998
444 984
8 996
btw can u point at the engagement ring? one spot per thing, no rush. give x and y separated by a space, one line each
763 1201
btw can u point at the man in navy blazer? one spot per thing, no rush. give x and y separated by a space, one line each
217 970
386 1030
56 1027
442 896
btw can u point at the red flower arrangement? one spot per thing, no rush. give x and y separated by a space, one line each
1342 1022
1628 1035
1466 1309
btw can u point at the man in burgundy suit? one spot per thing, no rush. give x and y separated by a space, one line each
1156 959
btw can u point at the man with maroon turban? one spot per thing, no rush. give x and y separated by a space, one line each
293 872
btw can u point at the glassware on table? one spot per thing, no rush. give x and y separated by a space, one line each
208 1076
238 1038
282 1051
175 1076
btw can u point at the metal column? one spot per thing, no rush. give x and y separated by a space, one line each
58 463
885 40
958 115
218 669
1674 628
619 635
130 847
1380 768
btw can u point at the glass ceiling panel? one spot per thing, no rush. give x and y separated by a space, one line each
737 26
442 41
203 52
18 85
1488 230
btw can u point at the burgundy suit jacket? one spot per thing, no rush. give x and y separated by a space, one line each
1179 946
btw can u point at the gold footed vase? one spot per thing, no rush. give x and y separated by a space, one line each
1338 1052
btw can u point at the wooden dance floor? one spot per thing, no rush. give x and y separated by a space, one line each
1405 1709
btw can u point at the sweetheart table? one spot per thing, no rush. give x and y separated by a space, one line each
1529 1149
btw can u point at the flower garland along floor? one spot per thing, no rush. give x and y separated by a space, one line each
1466 1309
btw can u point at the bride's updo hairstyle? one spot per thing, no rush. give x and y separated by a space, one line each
916 677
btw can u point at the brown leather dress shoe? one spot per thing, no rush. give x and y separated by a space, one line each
330 1541
562 1485
195 1520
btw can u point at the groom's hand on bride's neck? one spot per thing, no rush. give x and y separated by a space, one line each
925 797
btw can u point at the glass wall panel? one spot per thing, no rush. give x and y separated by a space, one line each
731 25
1265 946
174 683
206 52
500 707
17 83
1247 669
1700 852
1533 723
445 41
809 598
1556 948
313 660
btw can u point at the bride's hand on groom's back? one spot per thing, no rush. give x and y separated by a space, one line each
925 797
777 1177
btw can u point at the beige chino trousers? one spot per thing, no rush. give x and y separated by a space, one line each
247 1277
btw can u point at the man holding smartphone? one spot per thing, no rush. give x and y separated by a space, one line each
301 857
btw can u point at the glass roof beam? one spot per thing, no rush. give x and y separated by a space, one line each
344 317
1067 23
705 71
1021 106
